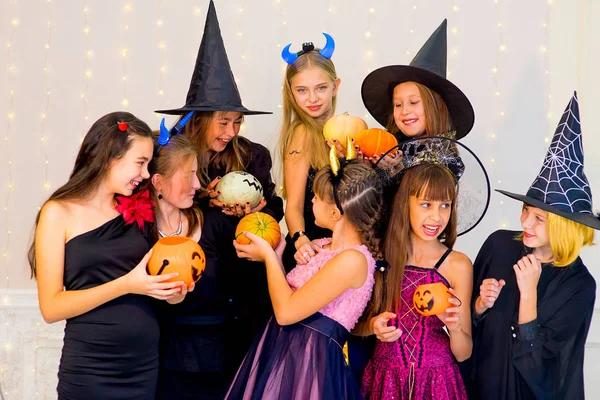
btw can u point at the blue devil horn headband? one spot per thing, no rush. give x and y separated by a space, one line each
165 134
326 51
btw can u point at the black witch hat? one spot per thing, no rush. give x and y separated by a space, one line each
213 86
427 68
471 178
561 187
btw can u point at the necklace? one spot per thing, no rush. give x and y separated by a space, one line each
177 232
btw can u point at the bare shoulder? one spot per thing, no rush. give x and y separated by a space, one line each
299 136
351 264
458 260
55 212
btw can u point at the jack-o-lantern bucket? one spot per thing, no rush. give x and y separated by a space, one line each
177 254
260 224
432 299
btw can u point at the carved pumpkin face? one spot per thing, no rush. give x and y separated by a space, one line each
177 254
431 299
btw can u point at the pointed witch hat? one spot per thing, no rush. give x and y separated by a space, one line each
561 187
213 86
427 68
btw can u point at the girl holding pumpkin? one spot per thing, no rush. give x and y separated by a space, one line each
417 100
534 297
86 259
310 90
195 357
212 119
414 357
299 353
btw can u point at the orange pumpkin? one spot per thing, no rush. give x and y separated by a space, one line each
260 224
432 299
340 127
375 141
177 254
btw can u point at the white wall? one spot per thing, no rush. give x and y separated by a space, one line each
81 74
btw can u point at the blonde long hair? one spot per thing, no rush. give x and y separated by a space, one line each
294 117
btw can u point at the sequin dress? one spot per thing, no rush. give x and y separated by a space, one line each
420 364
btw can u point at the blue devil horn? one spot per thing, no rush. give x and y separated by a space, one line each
327 51
176 130
164 136
287 56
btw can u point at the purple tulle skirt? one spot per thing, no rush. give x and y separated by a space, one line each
303 361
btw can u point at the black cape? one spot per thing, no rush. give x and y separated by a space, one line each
510 362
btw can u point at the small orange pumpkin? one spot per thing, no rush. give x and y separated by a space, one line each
432 299
177 254
260 224
339 127
375 141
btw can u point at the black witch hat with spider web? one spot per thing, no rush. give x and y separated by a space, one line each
561 186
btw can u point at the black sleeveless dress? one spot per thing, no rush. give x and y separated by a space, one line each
310 228
110 352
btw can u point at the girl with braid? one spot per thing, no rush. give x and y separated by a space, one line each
299 354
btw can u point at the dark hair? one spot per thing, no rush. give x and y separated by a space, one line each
361 196
165 162
103 144
433 182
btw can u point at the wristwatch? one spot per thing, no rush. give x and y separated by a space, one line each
297 236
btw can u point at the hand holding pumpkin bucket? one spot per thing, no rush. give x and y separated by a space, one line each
177 254
432 299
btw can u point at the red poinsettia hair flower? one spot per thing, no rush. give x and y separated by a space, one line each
136 208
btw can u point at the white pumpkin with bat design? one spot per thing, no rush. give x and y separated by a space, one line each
239 187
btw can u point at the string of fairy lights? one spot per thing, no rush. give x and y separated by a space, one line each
498 102
14 24
282 35
240 19
87 72
546 62
43 107
47 93
161 44
369 55
127 9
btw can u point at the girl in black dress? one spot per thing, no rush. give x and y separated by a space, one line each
86 259
310 92
194 353
212 118
534 297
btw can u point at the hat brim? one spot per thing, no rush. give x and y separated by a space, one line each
185 109
378 87
474 189
585 219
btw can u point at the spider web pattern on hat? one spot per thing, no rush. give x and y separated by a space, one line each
561 181
473 185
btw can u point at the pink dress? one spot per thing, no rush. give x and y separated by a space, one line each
305 360
420 364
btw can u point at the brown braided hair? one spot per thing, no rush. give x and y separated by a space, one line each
360 193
